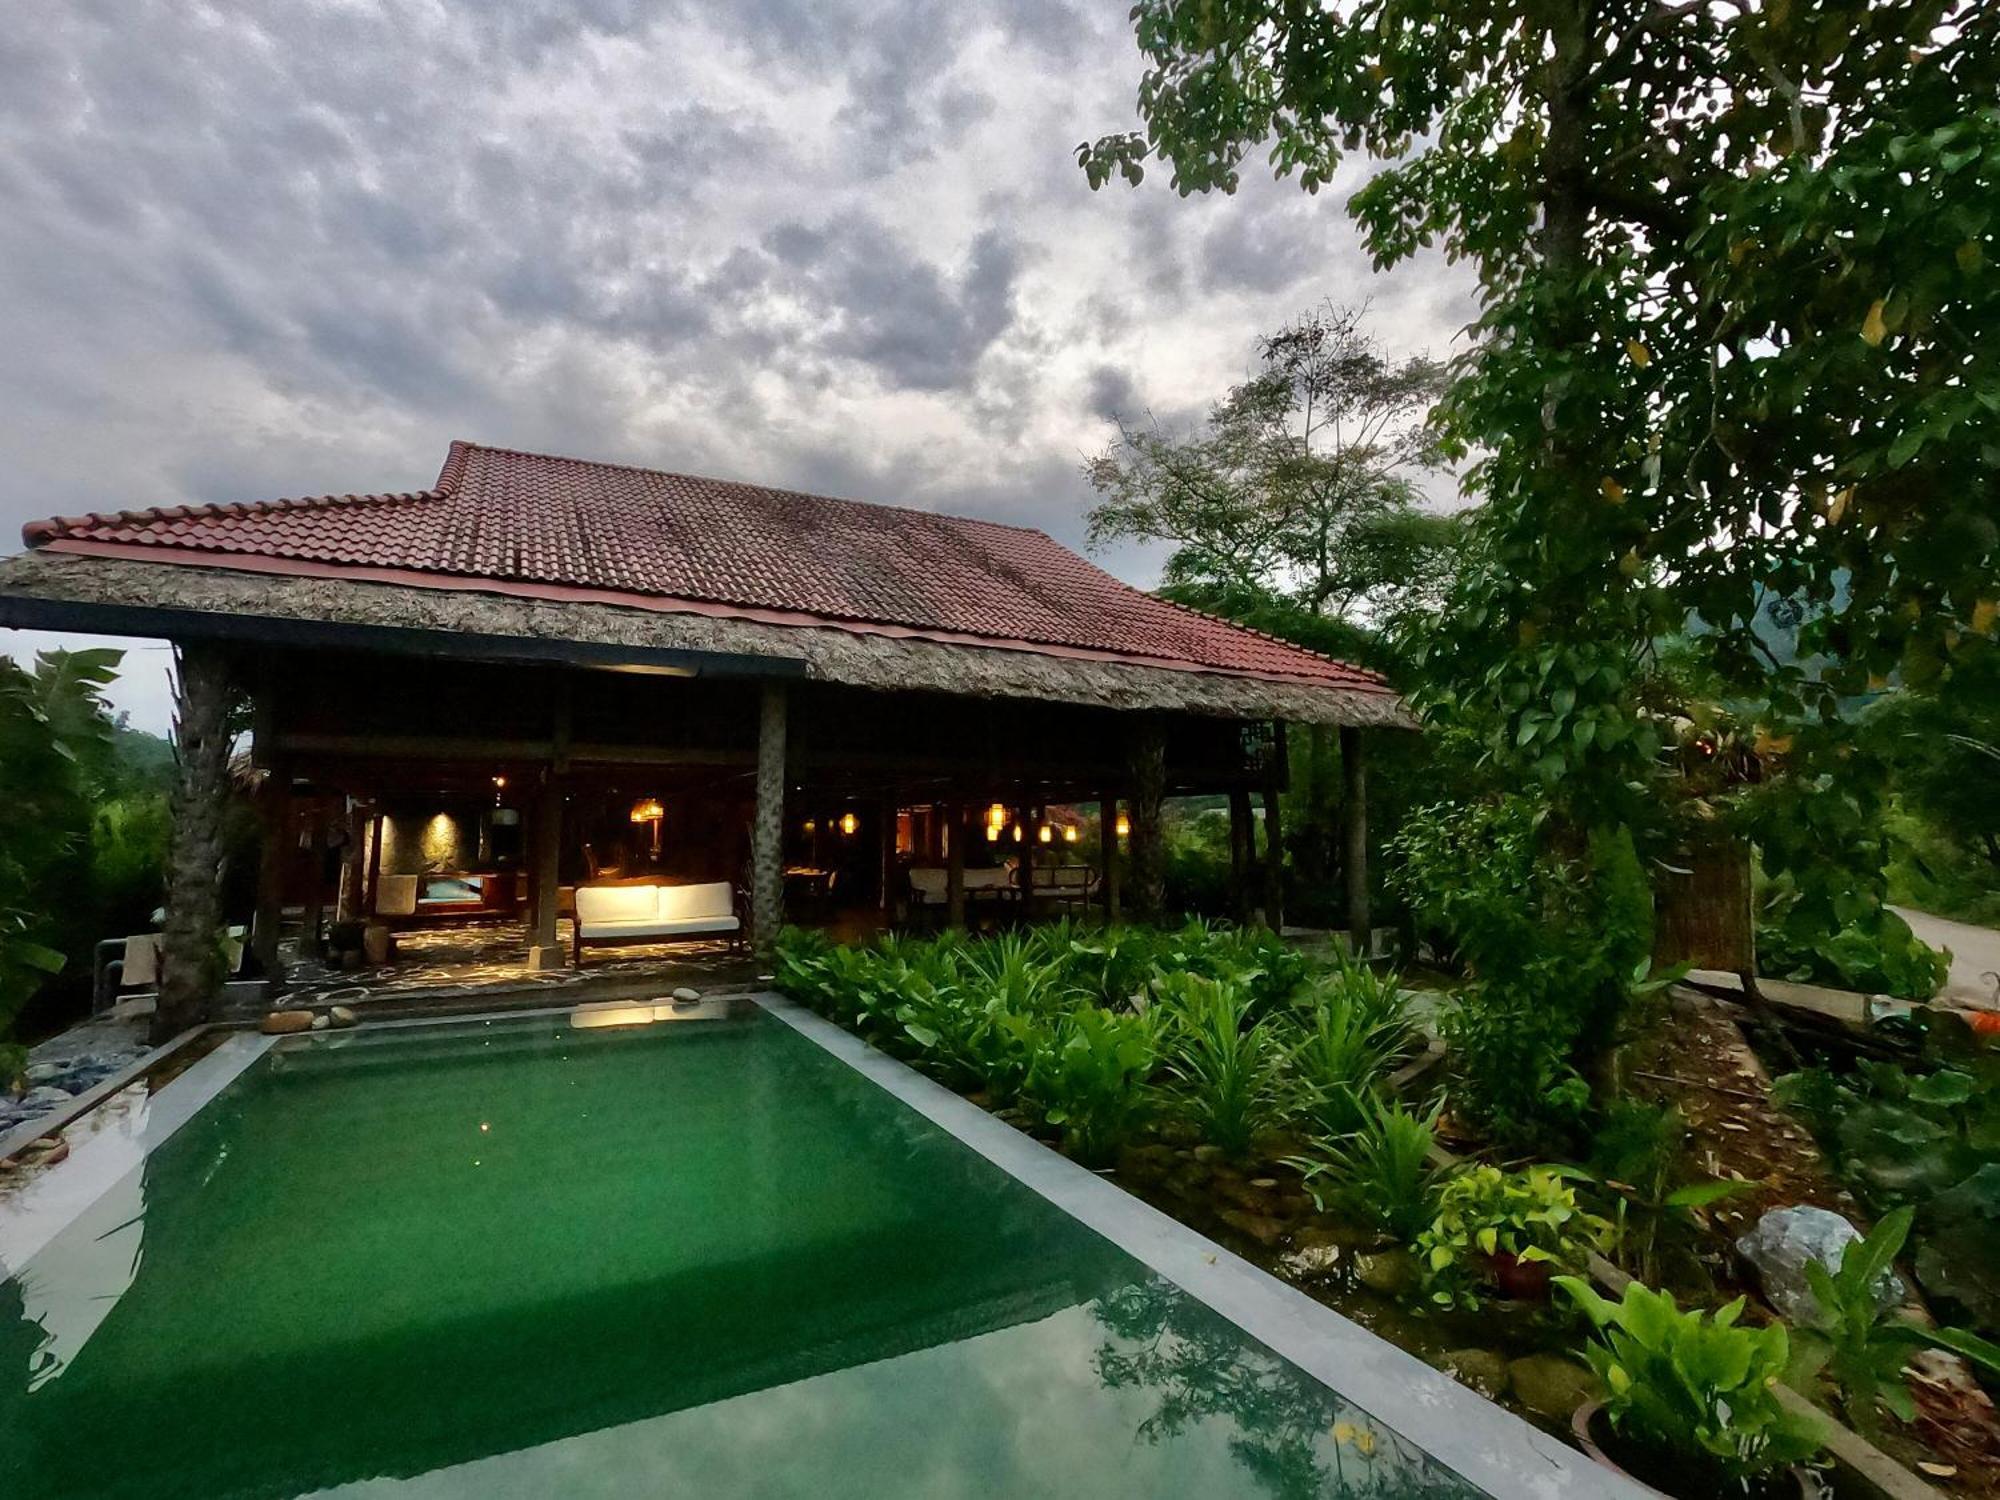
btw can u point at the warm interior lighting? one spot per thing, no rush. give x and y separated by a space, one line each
848 823
1017 833
812 825
1046 834
996 816
500 781
1069 833
1124 825
648 810
992 834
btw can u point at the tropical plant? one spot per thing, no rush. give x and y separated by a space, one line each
1636 1156
1228 1069
1487 1218
1694 1385
1090 1080
1355 1025
1859 1341
1381 1173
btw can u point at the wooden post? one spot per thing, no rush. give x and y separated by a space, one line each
545 876
954 865
1241 853
1149 791
886 812
350 904
190 957
1030 825
315 908
767 826
1274 835
1107 831
275 830
1354 836
374 884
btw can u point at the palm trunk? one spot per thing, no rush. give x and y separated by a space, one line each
191 970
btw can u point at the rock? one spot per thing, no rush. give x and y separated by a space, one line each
1245 1195
285 1022
1393 1273
44 1098
340 1015
322 1023
1262 1228
1781 1244
1208 1153
1146 1164
1308 1261
43 1072
687 996
1482 1369
1552 1385
1264 1182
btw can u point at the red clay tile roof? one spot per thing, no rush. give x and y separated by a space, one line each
498 518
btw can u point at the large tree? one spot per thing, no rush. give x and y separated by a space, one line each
1739 340
1301 487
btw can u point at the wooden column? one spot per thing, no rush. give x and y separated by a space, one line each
954 866
315 908
1107 831
545 876
767 825
1149 791
373 887
1354 836
1274 834
1030 825
885 813
190 961
350 904
274 823
1242 853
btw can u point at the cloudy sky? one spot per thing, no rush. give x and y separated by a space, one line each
288 248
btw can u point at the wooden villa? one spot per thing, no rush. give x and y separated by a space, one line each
542 674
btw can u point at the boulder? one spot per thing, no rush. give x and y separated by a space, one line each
46 1097
1262 1228
687 996
1781 1244
1306 1262
340 1015
322 1023
42 1072
1482 1369
285 1022
1552 1385
1393 1273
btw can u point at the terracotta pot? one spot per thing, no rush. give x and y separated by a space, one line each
1522 1280
1592 1430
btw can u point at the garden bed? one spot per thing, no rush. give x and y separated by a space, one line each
1280 1104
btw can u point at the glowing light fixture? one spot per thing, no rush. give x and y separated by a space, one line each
1124 826
1017 833
992 834
648 810
812 825
996 816
848 823
1069 833
500 781
1046 834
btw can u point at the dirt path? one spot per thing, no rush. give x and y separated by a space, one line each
1975 956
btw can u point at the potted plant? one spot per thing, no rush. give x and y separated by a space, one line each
1507 1229
1690 1405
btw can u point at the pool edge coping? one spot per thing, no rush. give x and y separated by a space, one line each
1452 1424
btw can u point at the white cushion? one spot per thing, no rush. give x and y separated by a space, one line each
693 903
598 904
656 927
989 880
928 883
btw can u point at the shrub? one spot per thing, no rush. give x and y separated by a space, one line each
1484 1213
1228 1068
1872 951
1381 1173
1693 1385
1355 1027
1090 1078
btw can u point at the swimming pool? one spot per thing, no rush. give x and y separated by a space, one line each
617 1252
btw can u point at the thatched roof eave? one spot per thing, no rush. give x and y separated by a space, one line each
130 596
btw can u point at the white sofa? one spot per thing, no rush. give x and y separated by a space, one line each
648 913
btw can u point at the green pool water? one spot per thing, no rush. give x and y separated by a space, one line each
704 1258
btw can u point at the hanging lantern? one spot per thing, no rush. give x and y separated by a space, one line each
849 823
1069 833
992 834
1124 826
996 816
1046 834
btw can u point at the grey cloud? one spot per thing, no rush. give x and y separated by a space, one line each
1112 394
